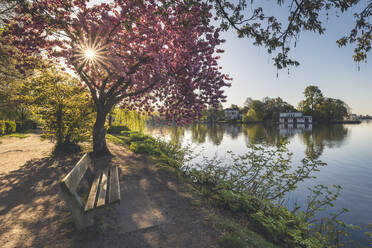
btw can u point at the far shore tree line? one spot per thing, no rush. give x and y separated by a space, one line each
321 108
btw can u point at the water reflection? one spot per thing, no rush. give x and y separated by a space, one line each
315 138
323 136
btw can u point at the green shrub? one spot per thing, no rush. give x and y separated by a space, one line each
146 146
7 127
135 136
125 133
117 129
10 127
2 127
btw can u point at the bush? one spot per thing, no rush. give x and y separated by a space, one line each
128 133
10 127
2 127
135 136
146 146
7 127
117 129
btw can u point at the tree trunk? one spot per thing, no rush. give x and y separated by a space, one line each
59 120
99 135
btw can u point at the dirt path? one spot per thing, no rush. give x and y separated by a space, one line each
32 213
14 152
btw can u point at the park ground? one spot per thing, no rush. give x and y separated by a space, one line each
156 210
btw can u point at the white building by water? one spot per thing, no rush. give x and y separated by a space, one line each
231 114
294 118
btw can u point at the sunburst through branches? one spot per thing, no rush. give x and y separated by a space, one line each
91 54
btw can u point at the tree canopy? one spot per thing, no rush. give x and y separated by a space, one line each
148 55
63 108
323 109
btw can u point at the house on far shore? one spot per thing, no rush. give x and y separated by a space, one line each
231 114
294 118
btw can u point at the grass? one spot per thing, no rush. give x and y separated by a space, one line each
117 139
17 135
235 235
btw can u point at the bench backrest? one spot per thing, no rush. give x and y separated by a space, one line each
71 181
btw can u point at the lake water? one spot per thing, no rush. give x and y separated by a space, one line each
347 150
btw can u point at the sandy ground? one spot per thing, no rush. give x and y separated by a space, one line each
155 211
14 152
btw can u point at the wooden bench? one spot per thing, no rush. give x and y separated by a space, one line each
104 191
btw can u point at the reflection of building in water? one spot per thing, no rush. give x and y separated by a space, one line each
292 129
294 118
233 130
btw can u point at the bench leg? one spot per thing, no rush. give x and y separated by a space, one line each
81 219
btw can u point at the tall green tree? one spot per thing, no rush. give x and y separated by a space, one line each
63 107
322 108
313 98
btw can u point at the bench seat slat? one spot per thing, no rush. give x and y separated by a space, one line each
114 194
93 192
103 188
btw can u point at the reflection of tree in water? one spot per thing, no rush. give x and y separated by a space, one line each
256 133
323 136
176 134
233 130
158 130
199 133
215 133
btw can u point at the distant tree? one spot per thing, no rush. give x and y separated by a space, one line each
322 109
252 116
255 112
10 80
247 101
273 108
333 110
267 110
313 97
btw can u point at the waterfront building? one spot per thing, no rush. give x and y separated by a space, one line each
293 118
231 114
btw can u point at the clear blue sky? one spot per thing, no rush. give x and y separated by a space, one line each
323 64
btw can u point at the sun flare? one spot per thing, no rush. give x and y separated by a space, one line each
90 54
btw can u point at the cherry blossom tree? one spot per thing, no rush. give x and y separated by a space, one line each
147 55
